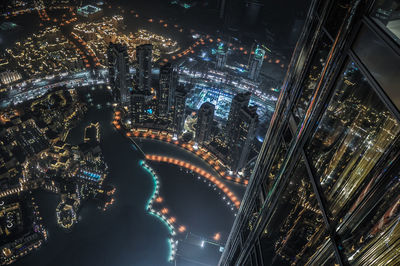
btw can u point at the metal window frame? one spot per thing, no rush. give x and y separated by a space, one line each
328 81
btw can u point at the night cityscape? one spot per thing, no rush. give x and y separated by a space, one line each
188 132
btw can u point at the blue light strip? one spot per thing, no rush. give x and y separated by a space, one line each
156 185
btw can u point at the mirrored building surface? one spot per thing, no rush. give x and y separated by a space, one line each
325 189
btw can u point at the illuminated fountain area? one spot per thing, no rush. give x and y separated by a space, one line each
161 214
156 205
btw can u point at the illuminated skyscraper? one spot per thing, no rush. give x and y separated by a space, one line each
238 102
205 119
166 89
325 188
179 108
138 107
118 69
143 71
242 137
230 11
256 63
221 56
240 129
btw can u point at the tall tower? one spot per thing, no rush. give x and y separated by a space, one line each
179 108
205 119
243 137
143 70
221 56
138 107
325 188
256 63
118 69
166 89
238 102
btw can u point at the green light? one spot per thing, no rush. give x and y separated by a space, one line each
259 53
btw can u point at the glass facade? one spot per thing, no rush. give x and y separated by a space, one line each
313 75
371 237
327 192
387 12
325 256
338 11
354 132
296 229
277 163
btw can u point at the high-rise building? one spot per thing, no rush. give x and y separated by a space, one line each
256 63
243 137
252 10
205 119
143 71
238 102
325 188
140 108
179 108
239 130
231 12
166 90
118 69
221 56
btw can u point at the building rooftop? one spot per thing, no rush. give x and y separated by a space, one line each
88 10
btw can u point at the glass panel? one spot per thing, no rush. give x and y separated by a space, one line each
325 256
280 155
313 74
362 194
258 253
248 262
249 222
320 6
387 12
296 229
336 16
351 137
381 61
372 237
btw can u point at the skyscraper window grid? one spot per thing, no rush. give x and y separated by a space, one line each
353 231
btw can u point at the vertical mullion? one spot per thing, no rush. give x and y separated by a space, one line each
323 207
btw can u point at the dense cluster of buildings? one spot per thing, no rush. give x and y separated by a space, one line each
45 53
34 155
325 187
165 107
8 77
99 33
21 229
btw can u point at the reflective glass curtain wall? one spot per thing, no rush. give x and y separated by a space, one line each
325 188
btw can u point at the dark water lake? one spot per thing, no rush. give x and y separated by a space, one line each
126 234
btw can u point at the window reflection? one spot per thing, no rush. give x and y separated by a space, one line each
388 13
351 137
336 15
324 256
277 162
372 237
314 73
296 228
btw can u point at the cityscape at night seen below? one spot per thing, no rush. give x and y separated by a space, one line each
200 132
